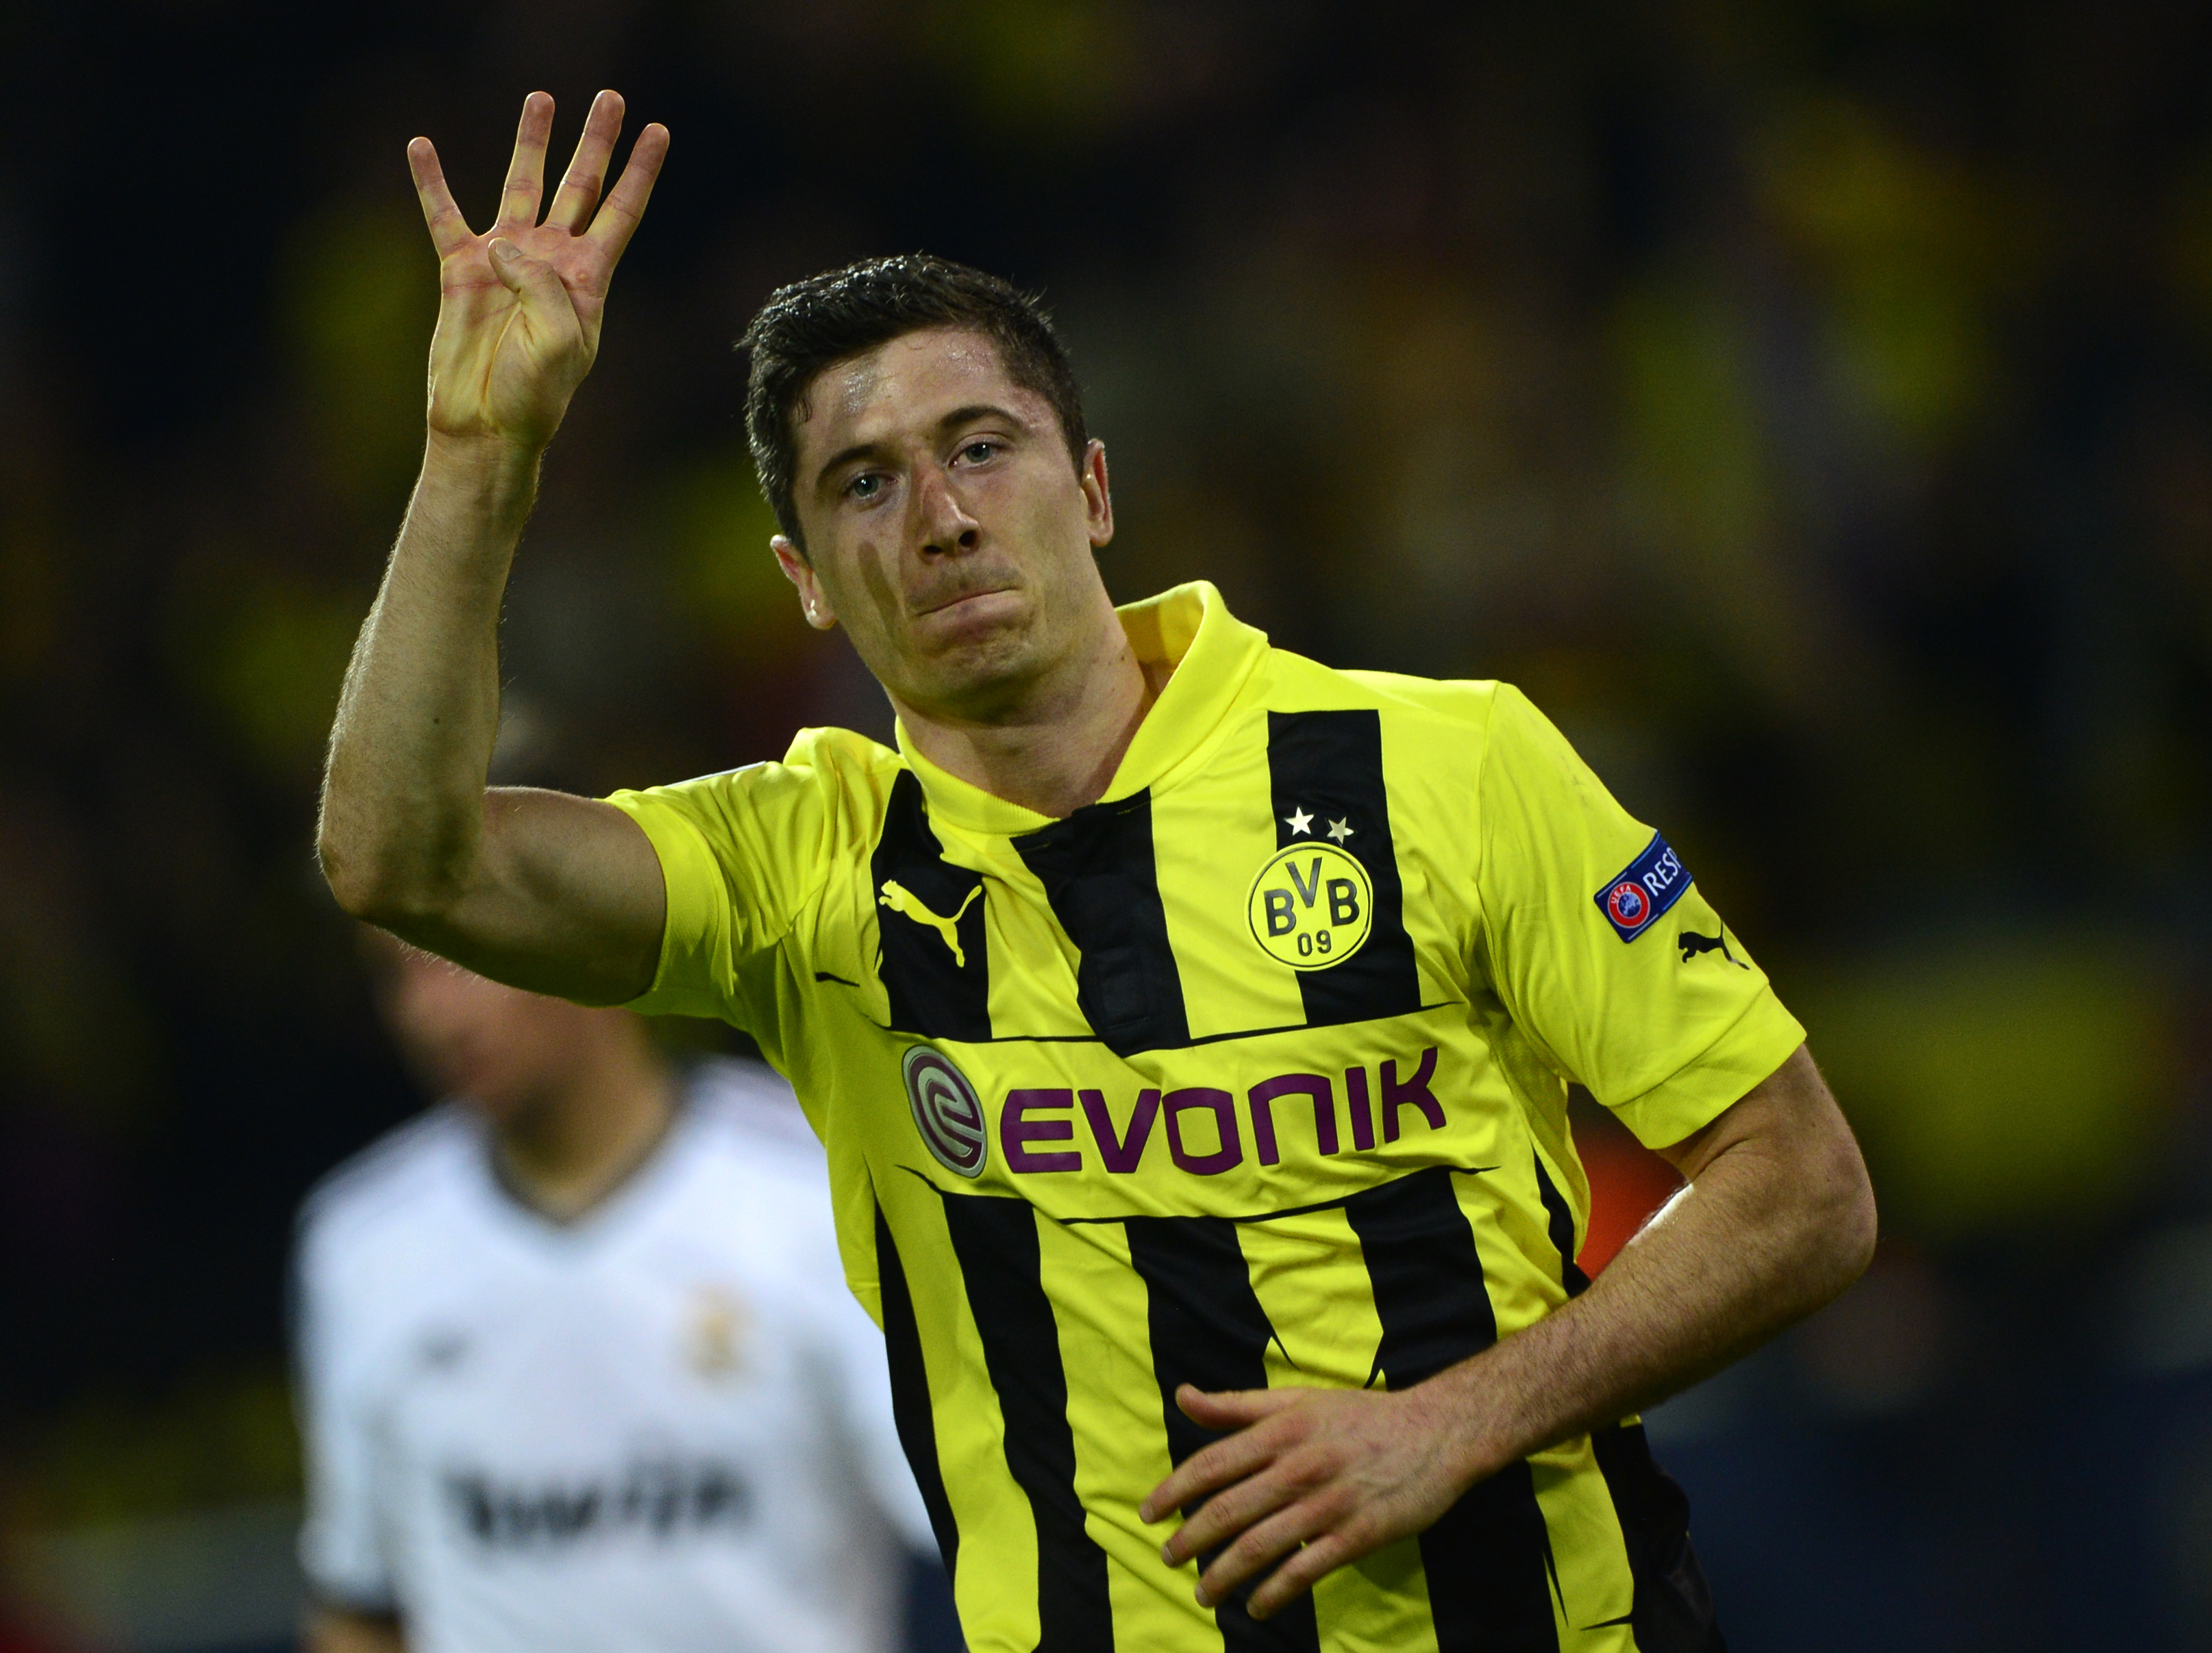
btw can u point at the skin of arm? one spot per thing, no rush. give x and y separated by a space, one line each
1777 1218
548 892
333 1630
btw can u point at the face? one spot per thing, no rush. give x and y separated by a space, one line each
945 528
498 1047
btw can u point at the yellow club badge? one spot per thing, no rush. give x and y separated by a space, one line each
1312 906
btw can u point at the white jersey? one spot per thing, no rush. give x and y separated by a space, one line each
665 1426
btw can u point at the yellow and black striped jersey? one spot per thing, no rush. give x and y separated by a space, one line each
1253 1073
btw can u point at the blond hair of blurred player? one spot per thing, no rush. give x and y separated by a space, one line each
577 1367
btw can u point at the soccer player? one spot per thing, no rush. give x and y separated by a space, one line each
577 1369
1188 1022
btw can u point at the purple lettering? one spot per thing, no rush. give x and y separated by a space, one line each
1222 1107
1120 1154
1015 1131
1355 1099
1262 1096
1413 1093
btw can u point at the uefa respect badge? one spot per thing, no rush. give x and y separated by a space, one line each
946 1111
1643 890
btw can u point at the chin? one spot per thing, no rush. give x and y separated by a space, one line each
984 670
984 653
487 1104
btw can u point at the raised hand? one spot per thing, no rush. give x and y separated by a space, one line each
520 306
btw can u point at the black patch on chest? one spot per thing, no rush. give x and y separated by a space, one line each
1327 767
935 991
1098 873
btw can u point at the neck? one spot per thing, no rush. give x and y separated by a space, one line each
575 1144
1057 748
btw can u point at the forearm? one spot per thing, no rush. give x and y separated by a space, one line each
403 796
1771 1226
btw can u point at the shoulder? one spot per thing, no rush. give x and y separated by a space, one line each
746 1108
758 1154
1301 685
1444 724
757 1188
1465 701
389 1186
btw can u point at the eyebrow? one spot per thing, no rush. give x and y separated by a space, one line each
958 416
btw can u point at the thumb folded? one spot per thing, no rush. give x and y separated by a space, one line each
520 273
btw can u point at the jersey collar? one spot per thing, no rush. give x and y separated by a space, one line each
1214 655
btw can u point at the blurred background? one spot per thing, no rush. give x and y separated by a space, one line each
1809 405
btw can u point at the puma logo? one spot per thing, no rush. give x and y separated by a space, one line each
1692 943
900 899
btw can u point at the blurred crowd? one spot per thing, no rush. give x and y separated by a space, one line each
1810 406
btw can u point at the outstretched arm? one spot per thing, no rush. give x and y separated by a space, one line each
555 894
1777 1218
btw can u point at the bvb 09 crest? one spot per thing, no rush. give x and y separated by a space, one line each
1312 906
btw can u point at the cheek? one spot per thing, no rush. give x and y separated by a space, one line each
863 587
1045 501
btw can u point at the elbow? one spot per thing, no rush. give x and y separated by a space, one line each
342 872
374 888
350 868
1862 1228
354 885
1849 1224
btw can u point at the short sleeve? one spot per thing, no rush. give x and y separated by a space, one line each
1603 949
740 853
343 1541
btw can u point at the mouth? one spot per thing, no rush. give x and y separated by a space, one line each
957 600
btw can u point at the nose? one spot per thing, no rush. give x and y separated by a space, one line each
944 525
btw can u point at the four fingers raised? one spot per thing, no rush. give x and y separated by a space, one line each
617 218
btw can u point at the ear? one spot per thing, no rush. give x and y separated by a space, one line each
813 601
1097 497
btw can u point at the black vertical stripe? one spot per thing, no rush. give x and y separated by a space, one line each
1559 1217
996 1242
1672 1610
1098 871
933 992
1488 1560
910 1407
1207 1328
1330 766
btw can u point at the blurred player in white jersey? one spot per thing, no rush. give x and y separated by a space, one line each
578 1368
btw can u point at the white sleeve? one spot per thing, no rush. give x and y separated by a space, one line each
342 1544
863 1390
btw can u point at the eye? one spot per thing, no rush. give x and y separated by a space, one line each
865 486
980 452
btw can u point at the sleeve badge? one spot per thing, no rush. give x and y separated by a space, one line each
1643 890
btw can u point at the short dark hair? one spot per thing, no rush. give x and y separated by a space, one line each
817 323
